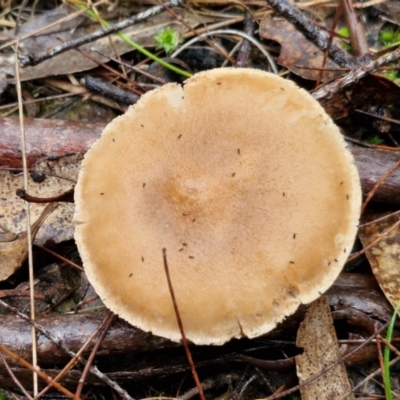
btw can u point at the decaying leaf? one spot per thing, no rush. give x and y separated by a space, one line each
73 61
47 179
370 92
384 256
297 54
317 336
14 252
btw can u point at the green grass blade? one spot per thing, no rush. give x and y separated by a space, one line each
138 47
386 356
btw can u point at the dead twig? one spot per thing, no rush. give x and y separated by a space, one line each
37 371
15 379
29 233
245 48
378 184
74 360
105 325
373 243
179 321
29 59
329 367
358 40
59 343
355 75
292 14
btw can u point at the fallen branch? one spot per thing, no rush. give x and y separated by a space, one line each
53 138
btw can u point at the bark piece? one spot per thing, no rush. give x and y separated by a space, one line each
317 337
52 138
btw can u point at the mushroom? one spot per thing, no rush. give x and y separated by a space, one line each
246 182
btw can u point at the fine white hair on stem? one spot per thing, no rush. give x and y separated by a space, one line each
234 32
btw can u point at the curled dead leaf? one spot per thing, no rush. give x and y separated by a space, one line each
297 54
14 252
384 255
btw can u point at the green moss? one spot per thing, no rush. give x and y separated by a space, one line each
344 32
389 37
167 39
374 139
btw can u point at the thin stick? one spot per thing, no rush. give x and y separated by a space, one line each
38 372
60 257
105 325
292 14
31 60
28 219
93 369
235 32
353 256
379 183
355 75
14 378
329 367
178 319
73 361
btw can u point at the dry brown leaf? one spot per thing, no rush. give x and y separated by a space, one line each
14 252
384 257
317 336
59 176
73 61
296 51
370 92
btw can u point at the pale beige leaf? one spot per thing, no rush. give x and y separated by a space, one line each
384 256
14 252
73 61
59 176
317 336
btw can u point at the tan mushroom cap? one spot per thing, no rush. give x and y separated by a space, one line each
245 181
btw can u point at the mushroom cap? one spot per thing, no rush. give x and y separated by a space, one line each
246 182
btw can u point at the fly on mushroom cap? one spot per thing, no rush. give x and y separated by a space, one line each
246 182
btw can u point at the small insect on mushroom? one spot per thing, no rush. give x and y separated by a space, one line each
265 187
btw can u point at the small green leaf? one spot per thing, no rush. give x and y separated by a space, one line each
374 139
344 32
167 39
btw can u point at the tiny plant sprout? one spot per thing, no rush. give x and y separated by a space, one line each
167 39
248 184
